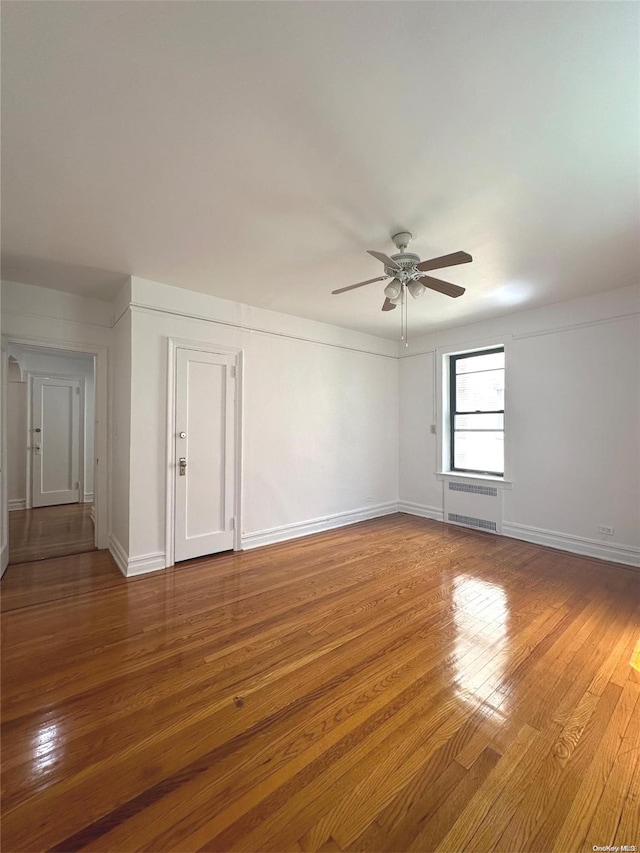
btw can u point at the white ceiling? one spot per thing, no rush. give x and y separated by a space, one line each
255 150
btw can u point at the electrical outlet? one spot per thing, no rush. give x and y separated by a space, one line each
603 528
433 429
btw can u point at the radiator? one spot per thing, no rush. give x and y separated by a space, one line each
475 505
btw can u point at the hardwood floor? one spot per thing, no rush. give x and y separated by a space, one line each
395 685
50 531
45 581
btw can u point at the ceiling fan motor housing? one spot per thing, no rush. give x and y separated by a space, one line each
405 260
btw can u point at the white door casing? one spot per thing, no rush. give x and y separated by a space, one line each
55 441
204 438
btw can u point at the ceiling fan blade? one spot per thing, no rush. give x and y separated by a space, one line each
441 286
386 260
445 261
359 284
388 305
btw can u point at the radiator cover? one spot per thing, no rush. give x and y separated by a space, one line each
475 505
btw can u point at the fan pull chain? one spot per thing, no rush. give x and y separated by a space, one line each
406 317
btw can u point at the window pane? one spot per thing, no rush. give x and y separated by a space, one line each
479 422
479 451
480 391
473 363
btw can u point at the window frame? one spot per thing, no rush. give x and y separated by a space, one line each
453 359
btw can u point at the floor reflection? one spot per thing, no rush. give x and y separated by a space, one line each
481 617
50 531
45 747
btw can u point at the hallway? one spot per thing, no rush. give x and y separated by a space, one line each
50 531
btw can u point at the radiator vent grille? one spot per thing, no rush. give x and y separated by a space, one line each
473 489
480 523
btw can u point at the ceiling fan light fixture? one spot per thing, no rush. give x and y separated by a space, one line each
393 290
416 289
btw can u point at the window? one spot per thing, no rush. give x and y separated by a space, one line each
476 406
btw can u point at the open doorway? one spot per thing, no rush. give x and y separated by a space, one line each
50 442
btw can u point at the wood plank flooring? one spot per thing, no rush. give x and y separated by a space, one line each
50 531
25 584
394 685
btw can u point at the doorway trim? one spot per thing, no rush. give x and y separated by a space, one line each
101 415
174 344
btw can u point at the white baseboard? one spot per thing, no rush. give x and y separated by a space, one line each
92 514
130 566
118 553
88 498
146 563
610 551
316 525
625 554
4 558
16 503
435 513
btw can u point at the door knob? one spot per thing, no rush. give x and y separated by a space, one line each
183 466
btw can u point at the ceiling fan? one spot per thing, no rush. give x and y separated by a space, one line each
406 272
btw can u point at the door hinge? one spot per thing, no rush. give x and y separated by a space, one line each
233 372
77 389
233 524
77 484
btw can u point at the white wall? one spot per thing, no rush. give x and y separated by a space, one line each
418 484
324 408
28 305
573 422
120 438
320 417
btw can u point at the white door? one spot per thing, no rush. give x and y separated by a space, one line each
204 453
55 441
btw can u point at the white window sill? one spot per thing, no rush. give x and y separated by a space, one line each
455 476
